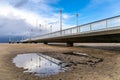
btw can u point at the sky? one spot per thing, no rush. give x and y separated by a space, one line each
35 17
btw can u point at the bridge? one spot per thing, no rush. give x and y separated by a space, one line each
106 30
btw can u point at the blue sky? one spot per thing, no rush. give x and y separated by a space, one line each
18 17
71 6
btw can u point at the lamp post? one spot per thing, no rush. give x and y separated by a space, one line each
9 39
31 31
40 27
51 28
61 21
77 21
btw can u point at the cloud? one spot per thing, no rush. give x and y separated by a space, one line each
20 3
12 26
15 3
16 18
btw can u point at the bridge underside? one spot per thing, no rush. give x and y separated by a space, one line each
108 36
102 38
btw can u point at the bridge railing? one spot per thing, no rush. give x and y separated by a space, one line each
93 26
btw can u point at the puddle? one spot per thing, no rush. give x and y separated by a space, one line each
39 64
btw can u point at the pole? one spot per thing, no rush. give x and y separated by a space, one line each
36 23
39 27
61 21
51 28
77 21
9 39
31 33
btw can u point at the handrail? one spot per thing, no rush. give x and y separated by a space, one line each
100 24
86 24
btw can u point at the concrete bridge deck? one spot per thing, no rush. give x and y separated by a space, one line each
106 30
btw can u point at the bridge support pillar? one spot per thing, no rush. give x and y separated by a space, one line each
45 43
35 42
69 44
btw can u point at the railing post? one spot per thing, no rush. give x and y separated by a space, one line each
79 29
106 24
90 27
71 30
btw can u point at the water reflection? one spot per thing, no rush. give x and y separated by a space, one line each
39 64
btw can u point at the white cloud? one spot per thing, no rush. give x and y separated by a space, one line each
20 20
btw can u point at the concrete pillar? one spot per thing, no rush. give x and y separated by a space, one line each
35 42
69 44
45 43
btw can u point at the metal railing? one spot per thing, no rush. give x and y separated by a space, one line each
104 24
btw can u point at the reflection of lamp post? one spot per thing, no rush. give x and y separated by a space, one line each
60 20
39 61
77 20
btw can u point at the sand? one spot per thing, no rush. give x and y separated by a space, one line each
103 63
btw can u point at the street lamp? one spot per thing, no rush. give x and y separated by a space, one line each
60 20
40 27
31 31
9 39
51 28
77 15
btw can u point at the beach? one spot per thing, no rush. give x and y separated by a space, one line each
101 62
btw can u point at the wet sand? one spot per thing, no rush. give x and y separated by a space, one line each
103 63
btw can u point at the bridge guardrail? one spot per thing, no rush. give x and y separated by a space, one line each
93 26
